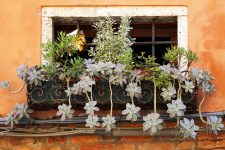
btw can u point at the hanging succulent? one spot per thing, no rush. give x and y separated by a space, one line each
152 123
188 128
65 111
19 111
112 62
176 108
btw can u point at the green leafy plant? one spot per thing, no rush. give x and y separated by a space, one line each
190 57
113 45
62 56
74 67
152 72
174 55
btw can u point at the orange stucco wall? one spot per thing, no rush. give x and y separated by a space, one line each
20 38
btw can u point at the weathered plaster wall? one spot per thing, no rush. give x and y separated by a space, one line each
20 38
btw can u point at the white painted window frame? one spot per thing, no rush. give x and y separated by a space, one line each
180 12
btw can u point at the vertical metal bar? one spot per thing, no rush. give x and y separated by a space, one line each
78 24
153 37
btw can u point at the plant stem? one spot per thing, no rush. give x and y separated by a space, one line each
70 100
17 91
132 100
68 87
173 82
91 94
200 108
178 121
155 97
178 92
88 96
111 102
103 76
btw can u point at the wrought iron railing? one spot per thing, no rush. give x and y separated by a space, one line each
52 93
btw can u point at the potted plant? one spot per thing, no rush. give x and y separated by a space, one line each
69 81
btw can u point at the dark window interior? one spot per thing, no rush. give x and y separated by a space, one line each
152 36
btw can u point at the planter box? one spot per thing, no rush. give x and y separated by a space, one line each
52 93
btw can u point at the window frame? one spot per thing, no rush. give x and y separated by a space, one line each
181 12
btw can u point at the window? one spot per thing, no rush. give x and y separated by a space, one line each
153 34
177 29
155 29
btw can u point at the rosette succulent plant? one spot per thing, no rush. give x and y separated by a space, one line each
92 121
19 111
176 108
214 124
10 119
92 69
65 111
197 74
4 84
22 110
133 90
189 86
136 75
106 68
118 79
188 128
22 71
168 93
108 123
85 84
90 107
131 112
35 76
207 87
152 123
88 61
75 89
69 91
166 68
119 68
